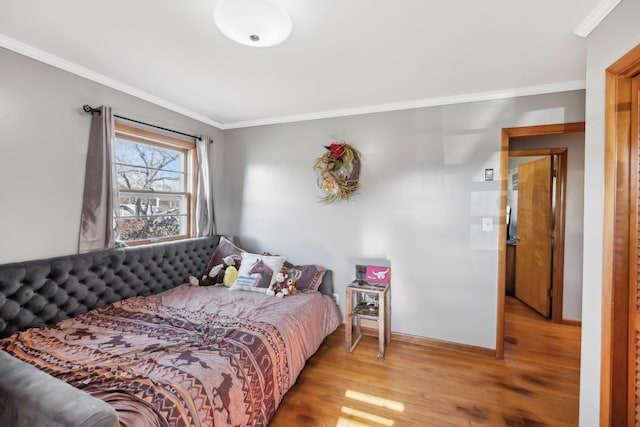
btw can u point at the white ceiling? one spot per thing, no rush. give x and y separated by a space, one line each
343 57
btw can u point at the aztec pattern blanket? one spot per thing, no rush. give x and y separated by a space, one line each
187 357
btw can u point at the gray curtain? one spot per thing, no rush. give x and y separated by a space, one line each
98 227
205 225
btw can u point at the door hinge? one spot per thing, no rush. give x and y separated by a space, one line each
555 173
550 292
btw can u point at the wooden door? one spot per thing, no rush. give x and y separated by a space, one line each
533 250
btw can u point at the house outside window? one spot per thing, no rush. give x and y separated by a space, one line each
155 175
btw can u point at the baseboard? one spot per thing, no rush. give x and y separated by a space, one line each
444 345
431 342
571 322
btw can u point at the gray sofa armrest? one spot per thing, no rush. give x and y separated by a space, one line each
30 397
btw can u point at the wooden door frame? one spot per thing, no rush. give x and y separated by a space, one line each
558 261
616 264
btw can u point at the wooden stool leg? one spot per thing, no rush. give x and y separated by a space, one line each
387 316
348 324
381 327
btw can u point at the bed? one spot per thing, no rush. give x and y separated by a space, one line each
132 343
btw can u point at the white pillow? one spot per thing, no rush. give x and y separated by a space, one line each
257 272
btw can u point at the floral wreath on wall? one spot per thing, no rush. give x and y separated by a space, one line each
338 171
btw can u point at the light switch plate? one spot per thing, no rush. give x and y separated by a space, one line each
487 224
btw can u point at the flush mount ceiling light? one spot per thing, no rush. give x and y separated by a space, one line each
257 23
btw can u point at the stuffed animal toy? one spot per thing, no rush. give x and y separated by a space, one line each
220 275
290 285
278 288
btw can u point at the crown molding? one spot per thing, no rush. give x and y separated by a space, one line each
63 64
73 68
596 16
420 103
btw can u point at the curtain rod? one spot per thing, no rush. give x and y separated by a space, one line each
91 110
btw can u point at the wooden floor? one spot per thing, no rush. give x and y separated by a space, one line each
535 385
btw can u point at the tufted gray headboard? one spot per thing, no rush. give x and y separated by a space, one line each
41 292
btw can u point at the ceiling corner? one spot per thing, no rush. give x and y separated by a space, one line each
73 68
595 17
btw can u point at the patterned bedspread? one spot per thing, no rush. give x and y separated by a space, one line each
187 357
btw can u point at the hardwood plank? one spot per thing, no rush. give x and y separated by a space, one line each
536 384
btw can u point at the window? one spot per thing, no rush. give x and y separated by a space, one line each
155 184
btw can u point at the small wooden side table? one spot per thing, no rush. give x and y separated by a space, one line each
374 313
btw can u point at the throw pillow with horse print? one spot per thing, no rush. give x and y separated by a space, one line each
257 272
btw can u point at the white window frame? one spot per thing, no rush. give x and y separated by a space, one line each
188 149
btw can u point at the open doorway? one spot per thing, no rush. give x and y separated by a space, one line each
509 138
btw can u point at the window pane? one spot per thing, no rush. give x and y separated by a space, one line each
138 178
145 167
151 216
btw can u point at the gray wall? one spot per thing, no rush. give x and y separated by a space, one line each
43 145
420 207
611 40
574 224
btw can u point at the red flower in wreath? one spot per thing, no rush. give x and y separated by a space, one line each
336 150
338 171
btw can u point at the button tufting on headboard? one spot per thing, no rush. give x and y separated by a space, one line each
40 292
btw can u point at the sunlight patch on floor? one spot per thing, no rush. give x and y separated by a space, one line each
367 419
343 422
375 400
367 416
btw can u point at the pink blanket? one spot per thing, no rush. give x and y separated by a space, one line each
189 356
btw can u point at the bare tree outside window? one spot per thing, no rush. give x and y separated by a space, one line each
153 202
